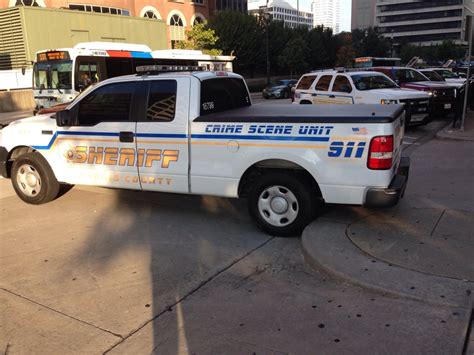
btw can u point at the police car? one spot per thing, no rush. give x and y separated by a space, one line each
198 133
361 87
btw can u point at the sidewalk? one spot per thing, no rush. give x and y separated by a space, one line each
455 133
422 248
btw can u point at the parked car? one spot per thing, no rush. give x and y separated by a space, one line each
279 90
361 87
443 95
448 75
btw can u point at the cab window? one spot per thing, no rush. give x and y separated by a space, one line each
221 94
110 103
341 84
161 101
306 82
323 83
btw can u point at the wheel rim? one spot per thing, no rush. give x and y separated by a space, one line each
278 206
28 180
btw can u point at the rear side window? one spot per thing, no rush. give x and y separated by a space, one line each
341 84
323 83
221 94
306 82
110 103
161 101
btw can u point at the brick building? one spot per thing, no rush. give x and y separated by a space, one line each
178 14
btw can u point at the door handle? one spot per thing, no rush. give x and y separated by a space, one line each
314 94
332 96
126 137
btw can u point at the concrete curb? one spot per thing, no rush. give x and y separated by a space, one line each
326 248
450 133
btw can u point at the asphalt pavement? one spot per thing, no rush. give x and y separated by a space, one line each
101 270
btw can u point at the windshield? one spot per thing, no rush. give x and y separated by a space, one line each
432 75
409 75
369 82
447 74
53 75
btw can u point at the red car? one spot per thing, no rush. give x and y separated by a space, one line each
443 95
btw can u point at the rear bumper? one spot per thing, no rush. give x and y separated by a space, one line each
388 197
3 162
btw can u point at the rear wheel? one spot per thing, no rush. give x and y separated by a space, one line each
33 179
282 204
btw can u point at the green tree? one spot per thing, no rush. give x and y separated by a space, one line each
370 43
449 50
202 38
240 35
345 52
292 57
319 53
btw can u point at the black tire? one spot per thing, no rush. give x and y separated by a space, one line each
305 102
285 95
33 179
306 203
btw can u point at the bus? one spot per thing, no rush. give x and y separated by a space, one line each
369 62
59 75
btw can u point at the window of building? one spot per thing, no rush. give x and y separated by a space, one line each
323 83
176 27
197 20
161 101
33 3
110 103
150 14
176 21
99 9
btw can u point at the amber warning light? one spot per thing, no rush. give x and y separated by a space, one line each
56 55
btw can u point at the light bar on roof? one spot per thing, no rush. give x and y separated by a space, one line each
145 69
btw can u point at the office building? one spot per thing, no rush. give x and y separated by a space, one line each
363 14
282 11
327 14
424 22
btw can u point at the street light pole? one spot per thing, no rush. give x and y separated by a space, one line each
267 25
463 119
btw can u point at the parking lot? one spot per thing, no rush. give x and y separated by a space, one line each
101 270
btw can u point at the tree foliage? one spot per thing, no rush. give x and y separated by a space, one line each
294 50
202 38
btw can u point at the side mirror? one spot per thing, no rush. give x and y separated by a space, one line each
64 118
81 87
23 70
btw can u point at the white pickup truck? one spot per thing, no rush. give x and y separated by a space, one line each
197 133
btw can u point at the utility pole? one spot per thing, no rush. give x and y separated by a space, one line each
468 77
267 40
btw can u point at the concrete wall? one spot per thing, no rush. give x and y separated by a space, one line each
18 100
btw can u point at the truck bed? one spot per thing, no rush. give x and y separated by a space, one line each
308 114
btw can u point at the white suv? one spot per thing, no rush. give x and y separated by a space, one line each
361 87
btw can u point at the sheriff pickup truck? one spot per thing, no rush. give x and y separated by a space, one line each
198 133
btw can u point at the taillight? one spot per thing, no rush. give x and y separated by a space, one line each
380 153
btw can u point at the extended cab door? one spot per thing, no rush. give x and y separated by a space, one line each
100 148
162 135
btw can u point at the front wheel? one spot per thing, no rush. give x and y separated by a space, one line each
33 179
282 204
